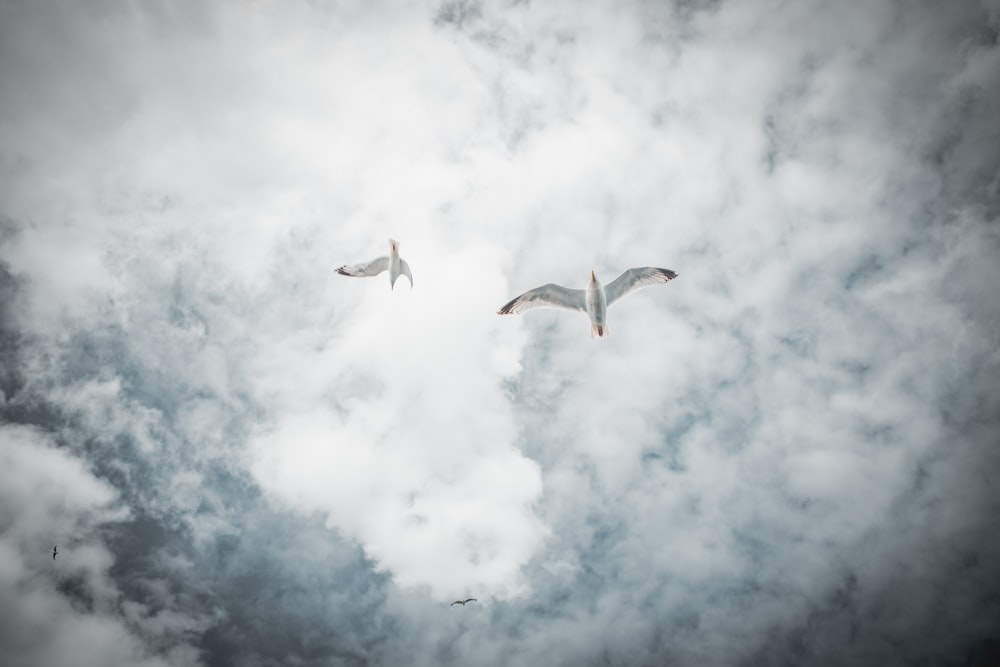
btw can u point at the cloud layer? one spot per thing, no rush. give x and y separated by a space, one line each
787 455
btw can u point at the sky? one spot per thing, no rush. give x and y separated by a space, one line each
789 455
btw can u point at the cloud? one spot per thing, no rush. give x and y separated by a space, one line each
59 611
783 456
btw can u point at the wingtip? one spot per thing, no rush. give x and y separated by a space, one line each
508 308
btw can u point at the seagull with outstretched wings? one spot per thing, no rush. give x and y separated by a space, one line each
394 264
55 550
594 300
463 602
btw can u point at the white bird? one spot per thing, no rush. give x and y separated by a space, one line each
594 300
394 263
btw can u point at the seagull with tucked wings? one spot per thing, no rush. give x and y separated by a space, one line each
395 264
463 602
594 300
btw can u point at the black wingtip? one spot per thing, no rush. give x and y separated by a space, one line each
342 272
507 308
670 275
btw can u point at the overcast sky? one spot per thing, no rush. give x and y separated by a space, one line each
790 455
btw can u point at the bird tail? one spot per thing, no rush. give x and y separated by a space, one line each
598 330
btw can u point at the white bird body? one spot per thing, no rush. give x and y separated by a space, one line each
594 300
395 264
597 307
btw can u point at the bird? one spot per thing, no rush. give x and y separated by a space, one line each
594 300
463 602
395 264
55 550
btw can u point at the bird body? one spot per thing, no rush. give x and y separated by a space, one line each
394 264
597 306
594 300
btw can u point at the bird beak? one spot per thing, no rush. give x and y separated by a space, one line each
592 276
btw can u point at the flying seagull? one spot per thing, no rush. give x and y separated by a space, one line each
594 300
395 264
55 550
463 602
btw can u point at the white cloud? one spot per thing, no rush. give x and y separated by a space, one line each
398 429
760 442
52 499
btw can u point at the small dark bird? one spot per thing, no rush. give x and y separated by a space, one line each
463 602
55 550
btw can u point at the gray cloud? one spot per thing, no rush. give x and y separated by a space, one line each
785 456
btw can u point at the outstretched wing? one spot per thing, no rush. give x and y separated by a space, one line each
633 279
372 268
457 602
470 600
550 296
404 269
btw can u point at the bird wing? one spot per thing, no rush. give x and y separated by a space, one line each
550 296
472 600
456 602
633 279
404 269
372 268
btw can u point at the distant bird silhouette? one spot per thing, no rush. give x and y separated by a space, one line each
394 264
463 602
55 550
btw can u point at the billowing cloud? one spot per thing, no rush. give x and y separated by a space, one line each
787 455
62 610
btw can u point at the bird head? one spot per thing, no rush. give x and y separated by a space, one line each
593 278
394 245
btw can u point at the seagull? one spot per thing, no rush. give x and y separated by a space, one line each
55 550
594 300
463 602
394 263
